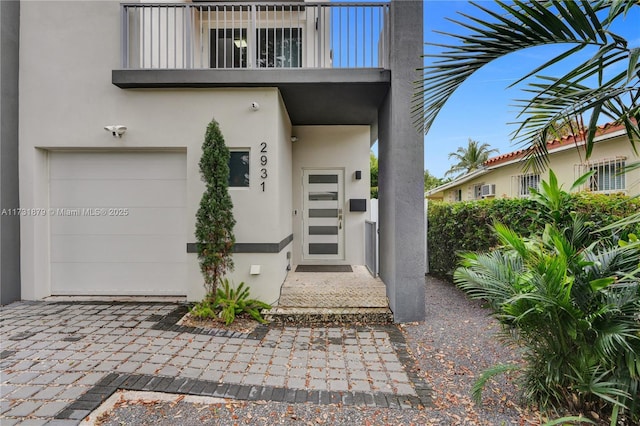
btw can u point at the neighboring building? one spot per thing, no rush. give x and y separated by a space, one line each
301 91
502 176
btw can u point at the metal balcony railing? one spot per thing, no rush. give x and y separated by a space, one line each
254 35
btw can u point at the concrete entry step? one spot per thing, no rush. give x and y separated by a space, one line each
289 316
324 297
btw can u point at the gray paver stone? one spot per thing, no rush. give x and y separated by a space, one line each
317 384
253 379
359 386
296 383
233 377
378 375
192 373
198 363
168 370
49 392
21 378
399 377
68 378
274 381
317 363
238 367
149 368
358 374
224 356
179 361
394 366
258 368
211 375
129 367
405 389
317 373
90 379
118 356
218 365
24 409
277 370
33 422
333 373
5 405
107 366
50 409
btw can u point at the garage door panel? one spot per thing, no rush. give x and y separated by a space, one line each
141 251
142 221
118 279
118 165
118 248
117 193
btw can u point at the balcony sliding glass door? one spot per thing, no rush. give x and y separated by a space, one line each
277 48
229 48
280 47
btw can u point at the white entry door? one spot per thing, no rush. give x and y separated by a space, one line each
323 218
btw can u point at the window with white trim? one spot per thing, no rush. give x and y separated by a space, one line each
522 184
608 175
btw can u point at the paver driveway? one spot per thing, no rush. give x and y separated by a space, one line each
60 360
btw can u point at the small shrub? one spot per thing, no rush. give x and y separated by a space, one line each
228 303
214 219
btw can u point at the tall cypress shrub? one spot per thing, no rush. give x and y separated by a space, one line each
214 220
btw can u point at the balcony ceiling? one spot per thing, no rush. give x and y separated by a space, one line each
312 96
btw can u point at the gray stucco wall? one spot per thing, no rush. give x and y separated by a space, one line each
401 164
9 199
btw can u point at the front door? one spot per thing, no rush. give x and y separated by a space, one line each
323 217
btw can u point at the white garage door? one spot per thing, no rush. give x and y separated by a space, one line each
118 223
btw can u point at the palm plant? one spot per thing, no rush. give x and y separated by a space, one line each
572 302
575 313
606 84
470 158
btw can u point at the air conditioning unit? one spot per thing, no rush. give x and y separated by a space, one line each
488 190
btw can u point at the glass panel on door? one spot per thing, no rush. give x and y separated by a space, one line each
323 214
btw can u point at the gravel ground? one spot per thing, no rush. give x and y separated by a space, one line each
451 348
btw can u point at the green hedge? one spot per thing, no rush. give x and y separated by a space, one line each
466 226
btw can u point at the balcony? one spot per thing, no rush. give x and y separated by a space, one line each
335 53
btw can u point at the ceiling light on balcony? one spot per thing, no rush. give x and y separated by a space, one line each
240 43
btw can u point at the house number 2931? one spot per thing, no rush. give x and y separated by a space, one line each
263 164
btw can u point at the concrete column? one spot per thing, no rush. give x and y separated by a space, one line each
9 198
401 169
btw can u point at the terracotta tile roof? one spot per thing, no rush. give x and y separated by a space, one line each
555 144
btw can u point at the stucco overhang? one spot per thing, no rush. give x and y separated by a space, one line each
312 96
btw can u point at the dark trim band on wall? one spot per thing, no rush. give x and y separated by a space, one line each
251 247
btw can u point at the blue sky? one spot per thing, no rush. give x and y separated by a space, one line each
482 107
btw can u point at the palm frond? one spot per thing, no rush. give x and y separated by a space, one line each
490 35
568 420
478 385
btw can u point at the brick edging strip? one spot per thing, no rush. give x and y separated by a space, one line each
112 382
